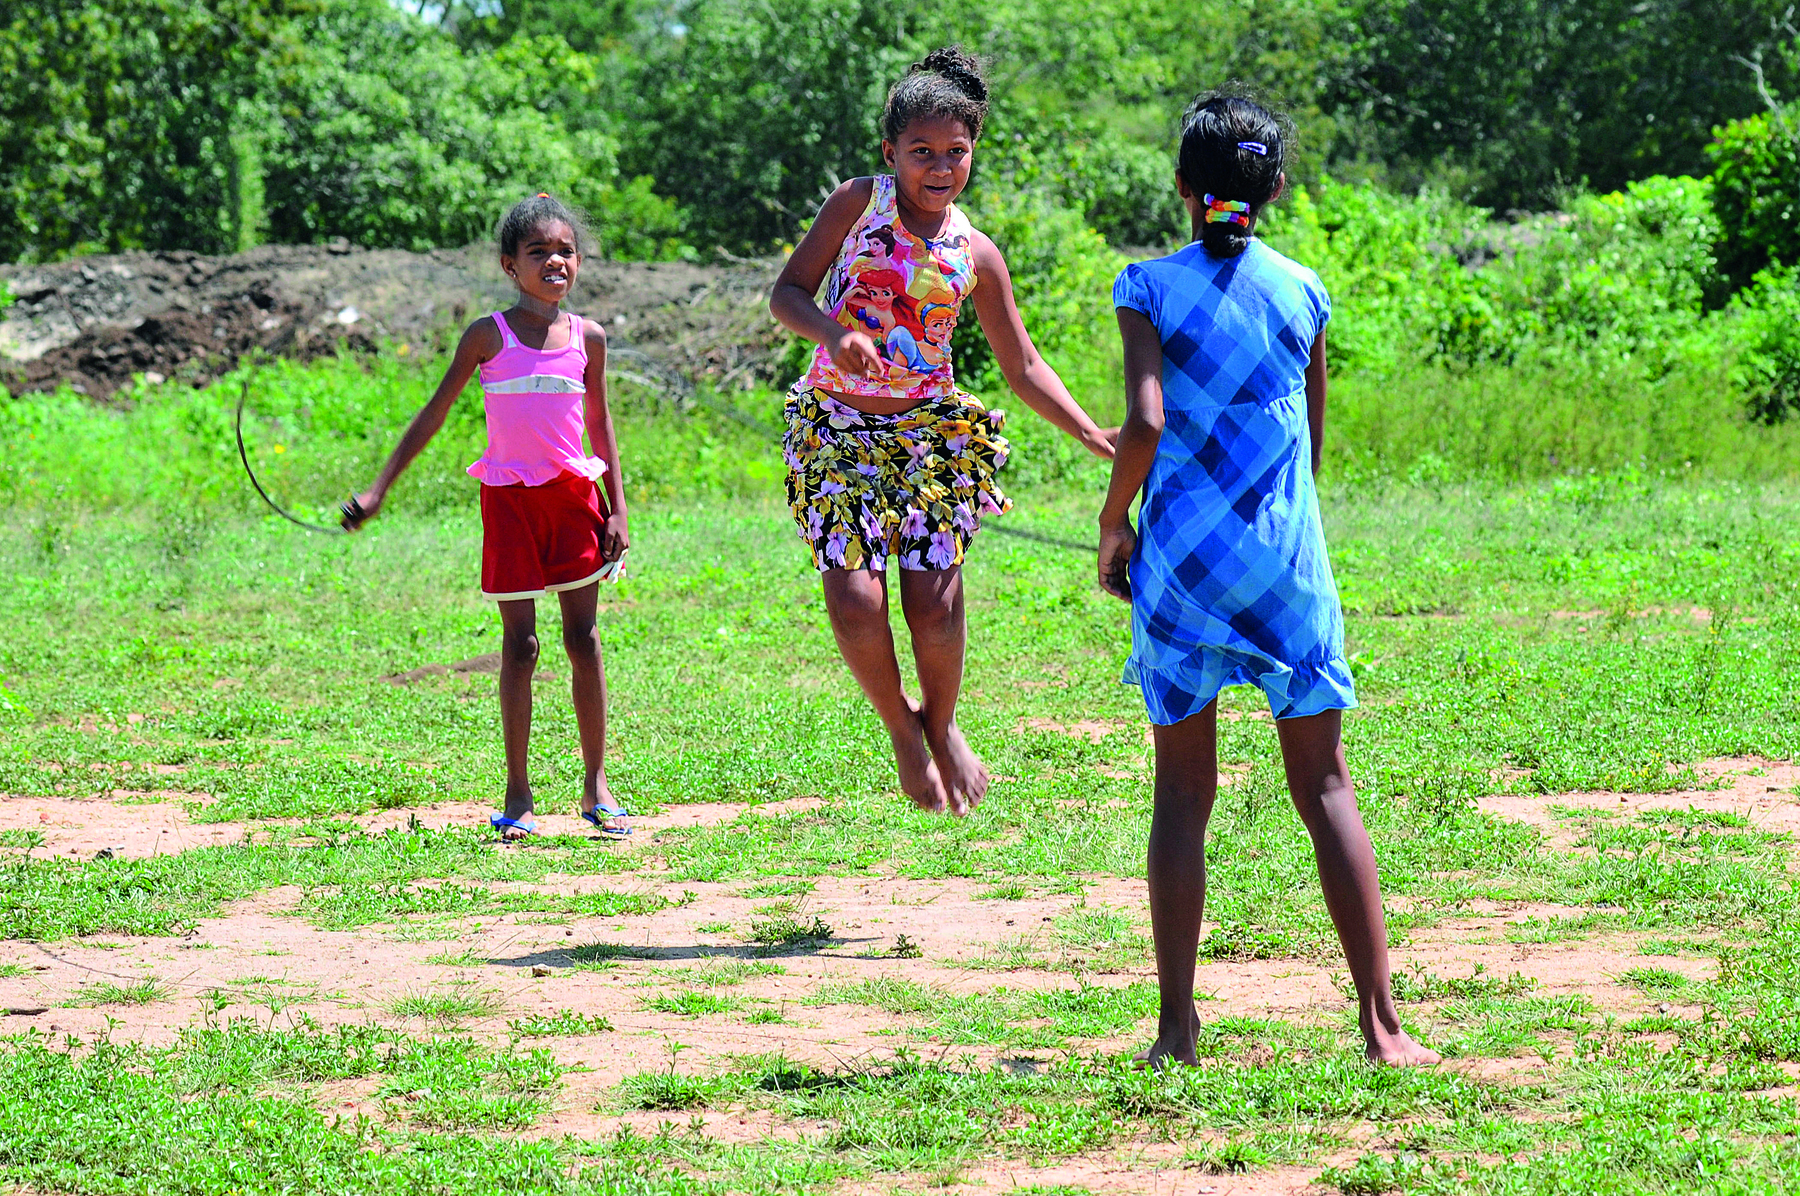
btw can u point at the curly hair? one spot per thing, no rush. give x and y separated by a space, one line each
534 213
945 83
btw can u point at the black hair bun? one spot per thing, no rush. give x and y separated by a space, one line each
959 67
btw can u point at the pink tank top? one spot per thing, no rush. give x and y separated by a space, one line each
533 399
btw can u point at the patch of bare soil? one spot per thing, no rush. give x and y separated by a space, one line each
1764 792
1141 1171
128 826
94 322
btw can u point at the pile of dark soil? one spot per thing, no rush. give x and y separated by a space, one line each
97 323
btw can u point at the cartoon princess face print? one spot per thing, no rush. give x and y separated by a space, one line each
877 242
939 320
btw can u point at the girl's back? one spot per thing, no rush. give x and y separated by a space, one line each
1234 329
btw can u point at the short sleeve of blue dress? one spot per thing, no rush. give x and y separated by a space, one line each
1230 583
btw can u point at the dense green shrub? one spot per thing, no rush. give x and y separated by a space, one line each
1514 101
1124 190
1618 278
1756 189
1765 329
385 133
150 124
753 113
116 121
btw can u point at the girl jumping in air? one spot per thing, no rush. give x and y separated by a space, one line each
888 461
546 529
1227 574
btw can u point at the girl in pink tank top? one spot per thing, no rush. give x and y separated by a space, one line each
547 528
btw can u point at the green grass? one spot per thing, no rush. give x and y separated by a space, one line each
562 1023
448 1006
691 1004
1531 638
105 992
715 973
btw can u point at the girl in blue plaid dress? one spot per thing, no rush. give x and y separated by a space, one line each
1227 574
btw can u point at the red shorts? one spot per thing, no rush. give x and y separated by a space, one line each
537 540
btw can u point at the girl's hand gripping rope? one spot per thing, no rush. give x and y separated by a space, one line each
357 510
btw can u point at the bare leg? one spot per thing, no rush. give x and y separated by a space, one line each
1187 782
1313 752
518 661
587 686
933 602
856 600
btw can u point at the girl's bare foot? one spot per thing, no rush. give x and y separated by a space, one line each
919 776
1387 1044
965 776
1172 1046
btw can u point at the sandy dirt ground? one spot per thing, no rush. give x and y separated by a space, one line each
273 965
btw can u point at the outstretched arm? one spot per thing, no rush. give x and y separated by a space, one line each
1029 375
1315 399
479 343
1138 438
791 301
604 443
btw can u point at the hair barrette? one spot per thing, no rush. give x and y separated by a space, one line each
1255 147
1227 211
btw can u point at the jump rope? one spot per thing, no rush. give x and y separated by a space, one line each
351 514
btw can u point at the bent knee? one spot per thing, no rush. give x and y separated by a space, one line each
858 610
938 622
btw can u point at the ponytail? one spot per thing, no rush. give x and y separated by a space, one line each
1232 153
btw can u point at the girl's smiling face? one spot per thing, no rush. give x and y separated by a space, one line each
881 297
547 262
931 160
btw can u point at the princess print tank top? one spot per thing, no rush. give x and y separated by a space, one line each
905 292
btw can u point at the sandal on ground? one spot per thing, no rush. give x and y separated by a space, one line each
599 816
501 824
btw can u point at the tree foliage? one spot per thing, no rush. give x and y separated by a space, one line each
116 120
1516 101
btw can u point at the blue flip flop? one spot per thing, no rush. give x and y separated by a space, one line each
597 818
501 822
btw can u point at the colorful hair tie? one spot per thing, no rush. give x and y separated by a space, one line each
1227 211
1255 147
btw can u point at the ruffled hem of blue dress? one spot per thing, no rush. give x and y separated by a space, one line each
1183 690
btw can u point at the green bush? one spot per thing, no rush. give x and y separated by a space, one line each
116 120
1123 189
148 124
1756 190
1766 334
753 113
385 133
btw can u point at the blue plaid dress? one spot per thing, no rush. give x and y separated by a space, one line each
1230 583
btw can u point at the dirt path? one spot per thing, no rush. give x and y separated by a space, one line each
1764 793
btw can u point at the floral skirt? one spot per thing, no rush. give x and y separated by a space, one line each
913 485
